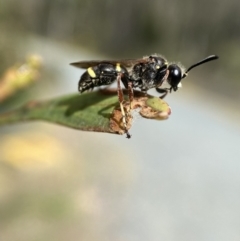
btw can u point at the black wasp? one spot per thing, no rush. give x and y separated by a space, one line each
144 73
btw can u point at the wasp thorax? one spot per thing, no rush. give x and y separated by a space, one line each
175 76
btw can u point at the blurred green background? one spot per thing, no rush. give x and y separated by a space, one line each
173 180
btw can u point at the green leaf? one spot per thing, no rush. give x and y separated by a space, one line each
95 111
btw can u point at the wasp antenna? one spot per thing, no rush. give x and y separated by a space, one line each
209 58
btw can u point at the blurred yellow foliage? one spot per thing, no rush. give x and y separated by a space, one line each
31 150
16 78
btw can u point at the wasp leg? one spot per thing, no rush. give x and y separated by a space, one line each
129 86
130 95
121 99
164 91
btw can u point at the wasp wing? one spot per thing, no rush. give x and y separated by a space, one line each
124 62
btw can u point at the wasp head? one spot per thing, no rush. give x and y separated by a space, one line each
174 76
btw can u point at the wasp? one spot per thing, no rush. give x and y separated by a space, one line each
144 73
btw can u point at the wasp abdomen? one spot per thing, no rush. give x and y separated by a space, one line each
102 74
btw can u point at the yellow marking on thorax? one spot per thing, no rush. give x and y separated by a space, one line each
91 72
118 67
159 66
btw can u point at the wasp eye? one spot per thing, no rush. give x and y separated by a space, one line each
175 76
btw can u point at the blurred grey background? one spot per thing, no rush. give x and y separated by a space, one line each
173 180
